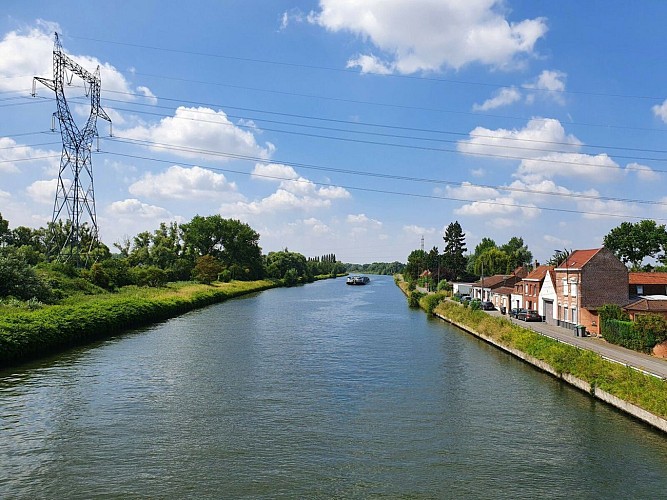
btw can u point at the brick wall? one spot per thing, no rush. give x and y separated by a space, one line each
604 280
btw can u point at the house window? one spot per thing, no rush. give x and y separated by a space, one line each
574 315
526 289
564 287
640 289
565 314
573 289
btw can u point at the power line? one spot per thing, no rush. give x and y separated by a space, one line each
379 175
355 72
379 125
383 191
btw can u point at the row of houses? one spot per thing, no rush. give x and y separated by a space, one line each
571 293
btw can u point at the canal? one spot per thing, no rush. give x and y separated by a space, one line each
319 391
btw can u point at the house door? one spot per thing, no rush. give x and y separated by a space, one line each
549 311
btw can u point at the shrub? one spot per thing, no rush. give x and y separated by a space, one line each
476 305
431 301
207 269
148 276
641 335
414 297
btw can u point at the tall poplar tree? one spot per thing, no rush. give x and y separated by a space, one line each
453 260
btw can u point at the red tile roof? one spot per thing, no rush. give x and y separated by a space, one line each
538 273
647 278
497 280
504 290
578 259
647 305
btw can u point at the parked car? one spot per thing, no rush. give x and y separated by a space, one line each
465 298
521 314
514 311
488 306
532 316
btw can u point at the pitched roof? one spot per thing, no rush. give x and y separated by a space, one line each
647 305
538 273
647 278
578 259
497 280
504 290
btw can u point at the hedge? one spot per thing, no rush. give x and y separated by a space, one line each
26 334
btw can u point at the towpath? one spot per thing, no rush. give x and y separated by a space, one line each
643 362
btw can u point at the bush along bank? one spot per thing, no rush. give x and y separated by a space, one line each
642 396
28 334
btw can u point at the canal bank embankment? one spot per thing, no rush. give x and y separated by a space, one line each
29 334
637 394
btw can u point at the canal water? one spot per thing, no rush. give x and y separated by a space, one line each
321 391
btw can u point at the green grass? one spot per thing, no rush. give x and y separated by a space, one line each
644 391
27 334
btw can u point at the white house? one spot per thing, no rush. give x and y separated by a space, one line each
462 288
547 298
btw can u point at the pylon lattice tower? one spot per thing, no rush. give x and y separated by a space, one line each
75 196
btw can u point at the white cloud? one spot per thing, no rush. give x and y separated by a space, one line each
363 220
273 172
193 130
468 191
291 16
503 97
531 141
551 83
496 207
316 226
644 173
600 168
660 110
30 52
556 242
418 230
545 152
132 208
371 64
183 184
12 154
305 199
148 95
602 209
44 192
427 35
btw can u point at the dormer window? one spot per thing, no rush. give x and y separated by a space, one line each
640 289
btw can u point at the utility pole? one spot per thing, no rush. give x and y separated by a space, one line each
75 196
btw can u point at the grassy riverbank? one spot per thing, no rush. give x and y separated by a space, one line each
27 334
644 391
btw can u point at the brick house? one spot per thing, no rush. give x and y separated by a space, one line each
585 281
647 305
502 297
531 286
483 288
647 284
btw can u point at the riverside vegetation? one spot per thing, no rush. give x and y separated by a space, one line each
644 391
47 305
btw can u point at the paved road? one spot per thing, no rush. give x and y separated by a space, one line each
650 364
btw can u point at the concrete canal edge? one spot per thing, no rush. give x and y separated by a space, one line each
633 410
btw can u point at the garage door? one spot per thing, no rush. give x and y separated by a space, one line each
549 311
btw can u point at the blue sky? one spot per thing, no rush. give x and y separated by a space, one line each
352 127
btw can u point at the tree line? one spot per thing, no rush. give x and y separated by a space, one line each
207 248
632 243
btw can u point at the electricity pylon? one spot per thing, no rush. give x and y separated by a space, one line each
75 197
